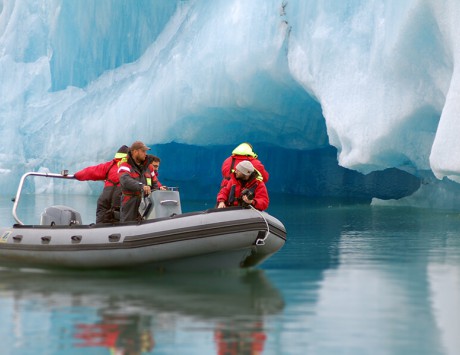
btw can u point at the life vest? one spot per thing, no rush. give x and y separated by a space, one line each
107 174
141 173
115 161
250 185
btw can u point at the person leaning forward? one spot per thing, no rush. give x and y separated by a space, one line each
108 203
244 189
136 179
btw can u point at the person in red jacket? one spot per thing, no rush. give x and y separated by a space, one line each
244 189
242 152
108 203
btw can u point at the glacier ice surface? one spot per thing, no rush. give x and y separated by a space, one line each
372 85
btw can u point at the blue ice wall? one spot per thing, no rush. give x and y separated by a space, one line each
312 173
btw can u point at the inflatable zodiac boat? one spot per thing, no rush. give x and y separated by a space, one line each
167 239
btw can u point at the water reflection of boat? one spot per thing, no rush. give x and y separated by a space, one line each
204 295
131 308
211 239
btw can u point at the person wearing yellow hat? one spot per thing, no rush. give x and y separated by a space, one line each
244 151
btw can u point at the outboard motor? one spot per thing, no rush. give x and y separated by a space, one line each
165 203
60 216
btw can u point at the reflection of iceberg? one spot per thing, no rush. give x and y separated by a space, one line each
445 295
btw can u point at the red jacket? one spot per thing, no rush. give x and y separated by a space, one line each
107 171
155 178
232 161
231 192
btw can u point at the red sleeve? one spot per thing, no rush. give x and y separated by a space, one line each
226 167
261 199
155 177
112 174
224 192
226 173
95 172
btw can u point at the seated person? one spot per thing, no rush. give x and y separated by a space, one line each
244 189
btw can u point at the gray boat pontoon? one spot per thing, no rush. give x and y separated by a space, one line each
227 238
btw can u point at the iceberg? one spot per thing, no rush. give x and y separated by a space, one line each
349 98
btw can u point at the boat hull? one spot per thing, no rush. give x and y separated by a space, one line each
211 239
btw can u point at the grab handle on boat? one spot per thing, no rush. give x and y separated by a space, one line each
261 241
64 175
169 202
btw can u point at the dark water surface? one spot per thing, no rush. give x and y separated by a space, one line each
351 279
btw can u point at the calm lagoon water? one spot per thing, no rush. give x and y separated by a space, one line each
351 279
